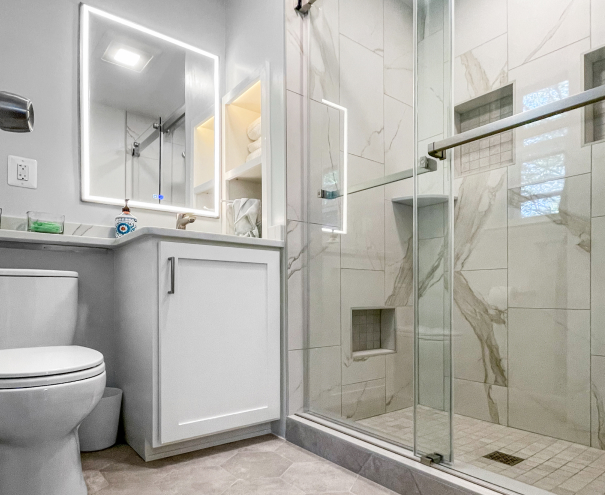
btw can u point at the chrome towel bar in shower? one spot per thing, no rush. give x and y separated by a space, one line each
438 149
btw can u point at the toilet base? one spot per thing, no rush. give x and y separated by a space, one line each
52 468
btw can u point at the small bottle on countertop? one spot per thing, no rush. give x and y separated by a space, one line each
126 222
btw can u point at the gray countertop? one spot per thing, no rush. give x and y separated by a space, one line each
109 243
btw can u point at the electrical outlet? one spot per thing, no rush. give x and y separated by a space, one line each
22 172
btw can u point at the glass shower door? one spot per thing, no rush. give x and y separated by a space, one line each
433 214
358 228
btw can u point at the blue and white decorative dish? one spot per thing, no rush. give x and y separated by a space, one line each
125 224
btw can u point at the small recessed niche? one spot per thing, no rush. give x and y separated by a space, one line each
594 115
491 152
372 331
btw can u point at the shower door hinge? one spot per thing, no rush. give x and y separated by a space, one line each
429 459
304 9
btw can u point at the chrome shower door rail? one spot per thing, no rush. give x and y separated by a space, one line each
438 149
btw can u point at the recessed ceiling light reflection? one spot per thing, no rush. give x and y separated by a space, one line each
125 56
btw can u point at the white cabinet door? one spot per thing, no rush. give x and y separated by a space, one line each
219 339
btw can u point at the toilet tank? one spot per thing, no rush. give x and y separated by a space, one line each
37 308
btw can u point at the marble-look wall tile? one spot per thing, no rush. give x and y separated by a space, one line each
431 17
399 51
597 277
481 70
361 92
481 401
598 179
324 287
430 287
400 366
363 400
398 253
434 182
325 384
545 30
477 22
324 52
430 87
552 148
296 56
362 247
363 170
326 165
597 26
597 388
359 289
549 372
480 333
549 244
296 250
432 221
398 136
431 313
363 22
296 175
431 372
296 388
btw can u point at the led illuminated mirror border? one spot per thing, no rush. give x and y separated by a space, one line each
85 12
344 184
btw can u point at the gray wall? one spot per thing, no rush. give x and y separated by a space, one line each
39 59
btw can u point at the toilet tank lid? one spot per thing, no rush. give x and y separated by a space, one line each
45 361
18 272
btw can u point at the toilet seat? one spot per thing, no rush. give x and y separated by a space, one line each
42 366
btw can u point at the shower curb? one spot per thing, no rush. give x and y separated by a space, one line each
397 473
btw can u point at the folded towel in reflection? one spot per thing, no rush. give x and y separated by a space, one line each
254 146
254 154
247 218
254 130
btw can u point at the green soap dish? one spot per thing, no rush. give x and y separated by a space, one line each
46 223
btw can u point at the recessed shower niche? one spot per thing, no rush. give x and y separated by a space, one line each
594 115
491 152
372 331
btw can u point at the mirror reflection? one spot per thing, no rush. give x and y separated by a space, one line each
149 118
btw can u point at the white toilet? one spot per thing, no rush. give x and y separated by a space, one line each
47 385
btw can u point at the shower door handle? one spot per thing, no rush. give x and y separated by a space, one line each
172 261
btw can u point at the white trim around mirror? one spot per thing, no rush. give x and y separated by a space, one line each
85 11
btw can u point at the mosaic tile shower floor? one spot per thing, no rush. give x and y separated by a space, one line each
560 467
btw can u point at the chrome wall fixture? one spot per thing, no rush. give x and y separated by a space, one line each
304 9
16 113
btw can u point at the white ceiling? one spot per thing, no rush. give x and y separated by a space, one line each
158 90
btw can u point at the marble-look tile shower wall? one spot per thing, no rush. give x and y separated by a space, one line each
529 286
361 57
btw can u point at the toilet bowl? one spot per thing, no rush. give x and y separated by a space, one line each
47 386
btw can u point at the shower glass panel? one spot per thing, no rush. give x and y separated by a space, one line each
527 355
359 245
460 312
433 213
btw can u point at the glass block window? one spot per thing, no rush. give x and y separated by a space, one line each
366 329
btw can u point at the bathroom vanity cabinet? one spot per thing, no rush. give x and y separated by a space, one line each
199 343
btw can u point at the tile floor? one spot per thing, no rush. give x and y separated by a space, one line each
554 465
264 465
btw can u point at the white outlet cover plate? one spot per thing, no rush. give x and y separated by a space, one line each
13 162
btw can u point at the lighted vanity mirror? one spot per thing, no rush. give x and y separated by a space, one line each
149 109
